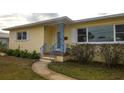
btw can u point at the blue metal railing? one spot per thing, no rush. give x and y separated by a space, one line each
43 49
50 49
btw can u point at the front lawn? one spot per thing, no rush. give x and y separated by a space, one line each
94 71
13 68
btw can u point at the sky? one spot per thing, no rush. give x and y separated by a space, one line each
14 19
17 12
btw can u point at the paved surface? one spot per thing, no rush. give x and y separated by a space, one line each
41 68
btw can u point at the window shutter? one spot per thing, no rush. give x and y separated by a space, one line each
74 36
28 35
15 35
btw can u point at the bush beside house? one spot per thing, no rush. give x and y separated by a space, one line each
19 53
111 53
83 53
2 47
23 53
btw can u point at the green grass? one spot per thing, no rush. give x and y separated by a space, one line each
13 68
94 71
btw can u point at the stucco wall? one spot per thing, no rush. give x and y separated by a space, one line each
118 20
68 33
48 34
69 28
36 39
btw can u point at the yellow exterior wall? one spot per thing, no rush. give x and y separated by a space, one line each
36 39
68 33
119 20
69 28
48 34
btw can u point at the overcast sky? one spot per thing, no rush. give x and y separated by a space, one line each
16 12
9 20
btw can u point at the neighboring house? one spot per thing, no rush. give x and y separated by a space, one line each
4 38
59 33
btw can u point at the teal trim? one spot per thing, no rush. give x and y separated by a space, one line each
61 30
58 40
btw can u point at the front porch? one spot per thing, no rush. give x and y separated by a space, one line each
54 45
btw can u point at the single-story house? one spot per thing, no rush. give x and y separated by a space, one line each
4 38
59 33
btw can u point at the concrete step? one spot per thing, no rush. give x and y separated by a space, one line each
48 58
45 60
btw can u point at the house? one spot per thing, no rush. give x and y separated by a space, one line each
60 33
4 38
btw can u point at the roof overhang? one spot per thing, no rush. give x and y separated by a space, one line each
59 20
100 18
64 20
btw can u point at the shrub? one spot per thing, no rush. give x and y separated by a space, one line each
35 55
16 53
2 47
83 53
23 53
112 53
9 52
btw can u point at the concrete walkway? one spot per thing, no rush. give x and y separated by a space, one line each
42 69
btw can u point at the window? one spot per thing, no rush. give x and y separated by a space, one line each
21 35
100 34
119 32
24 35
81 35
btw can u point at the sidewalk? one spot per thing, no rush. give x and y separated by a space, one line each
42 69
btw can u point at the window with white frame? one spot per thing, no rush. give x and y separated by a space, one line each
105 33
81 37
119 32
21 35
100 34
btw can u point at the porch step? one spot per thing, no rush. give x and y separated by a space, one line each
46 59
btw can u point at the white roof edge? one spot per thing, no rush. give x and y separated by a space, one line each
38 23
98 18
67 18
